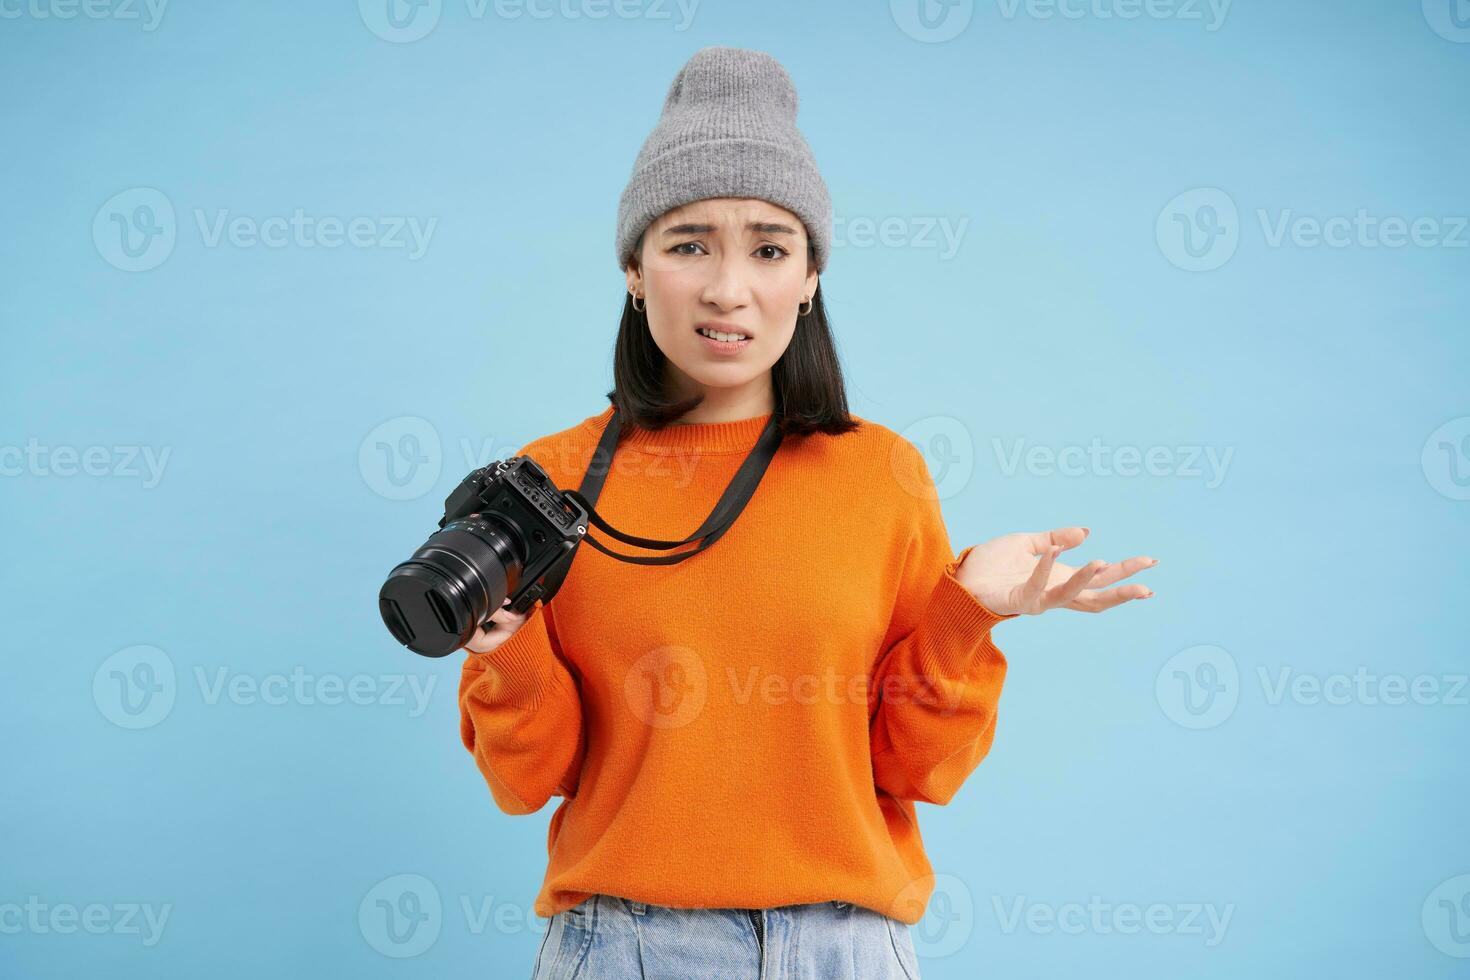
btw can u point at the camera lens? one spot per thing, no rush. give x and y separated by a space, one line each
433 602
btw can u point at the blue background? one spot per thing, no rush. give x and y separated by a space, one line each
1333 541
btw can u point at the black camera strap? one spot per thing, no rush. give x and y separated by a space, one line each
731 503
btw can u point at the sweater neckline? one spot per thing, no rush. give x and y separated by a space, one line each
735 436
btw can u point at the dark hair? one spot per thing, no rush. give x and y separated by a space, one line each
806 380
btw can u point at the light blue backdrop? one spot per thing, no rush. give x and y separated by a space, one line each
1193 276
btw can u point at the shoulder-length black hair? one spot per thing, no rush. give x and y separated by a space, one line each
807 379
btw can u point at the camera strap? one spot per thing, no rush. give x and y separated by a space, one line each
731 503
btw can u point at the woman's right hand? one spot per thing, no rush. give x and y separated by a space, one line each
503 623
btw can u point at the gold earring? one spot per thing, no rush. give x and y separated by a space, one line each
640 309
807 311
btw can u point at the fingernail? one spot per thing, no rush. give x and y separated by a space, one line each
1153 563
1087 530
1147 595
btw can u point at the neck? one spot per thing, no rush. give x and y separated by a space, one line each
749 400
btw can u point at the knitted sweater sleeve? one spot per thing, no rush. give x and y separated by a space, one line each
937 685
520 716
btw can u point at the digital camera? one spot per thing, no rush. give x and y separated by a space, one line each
505 527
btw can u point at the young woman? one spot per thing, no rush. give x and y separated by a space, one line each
739 738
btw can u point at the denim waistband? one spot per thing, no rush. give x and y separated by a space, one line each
641 908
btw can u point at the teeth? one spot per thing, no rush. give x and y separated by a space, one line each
726 337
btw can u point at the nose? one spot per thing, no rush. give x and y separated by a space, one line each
727 287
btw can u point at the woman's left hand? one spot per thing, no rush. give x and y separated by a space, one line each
1005 575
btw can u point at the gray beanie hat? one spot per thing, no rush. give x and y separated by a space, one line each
728 129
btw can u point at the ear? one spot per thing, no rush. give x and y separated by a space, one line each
633 276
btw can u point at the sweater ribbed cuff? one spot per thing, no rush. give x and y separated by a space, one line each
957 627
526 664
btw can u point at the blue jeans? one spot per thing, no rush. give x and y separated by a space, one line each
609 938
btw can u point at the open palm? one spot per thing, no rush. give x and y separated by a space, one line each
1019 573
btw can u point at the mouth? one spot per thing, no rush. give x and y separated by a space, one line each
724 340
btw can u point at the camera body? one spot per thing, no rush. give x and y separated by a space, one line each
505 527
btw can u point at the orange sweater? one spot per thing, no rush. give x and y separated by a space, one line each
750 727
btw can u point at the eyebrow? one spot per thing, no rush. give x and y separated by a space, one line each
762 227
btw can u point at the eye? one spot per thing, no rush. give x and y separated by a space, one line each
776 248
675 249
